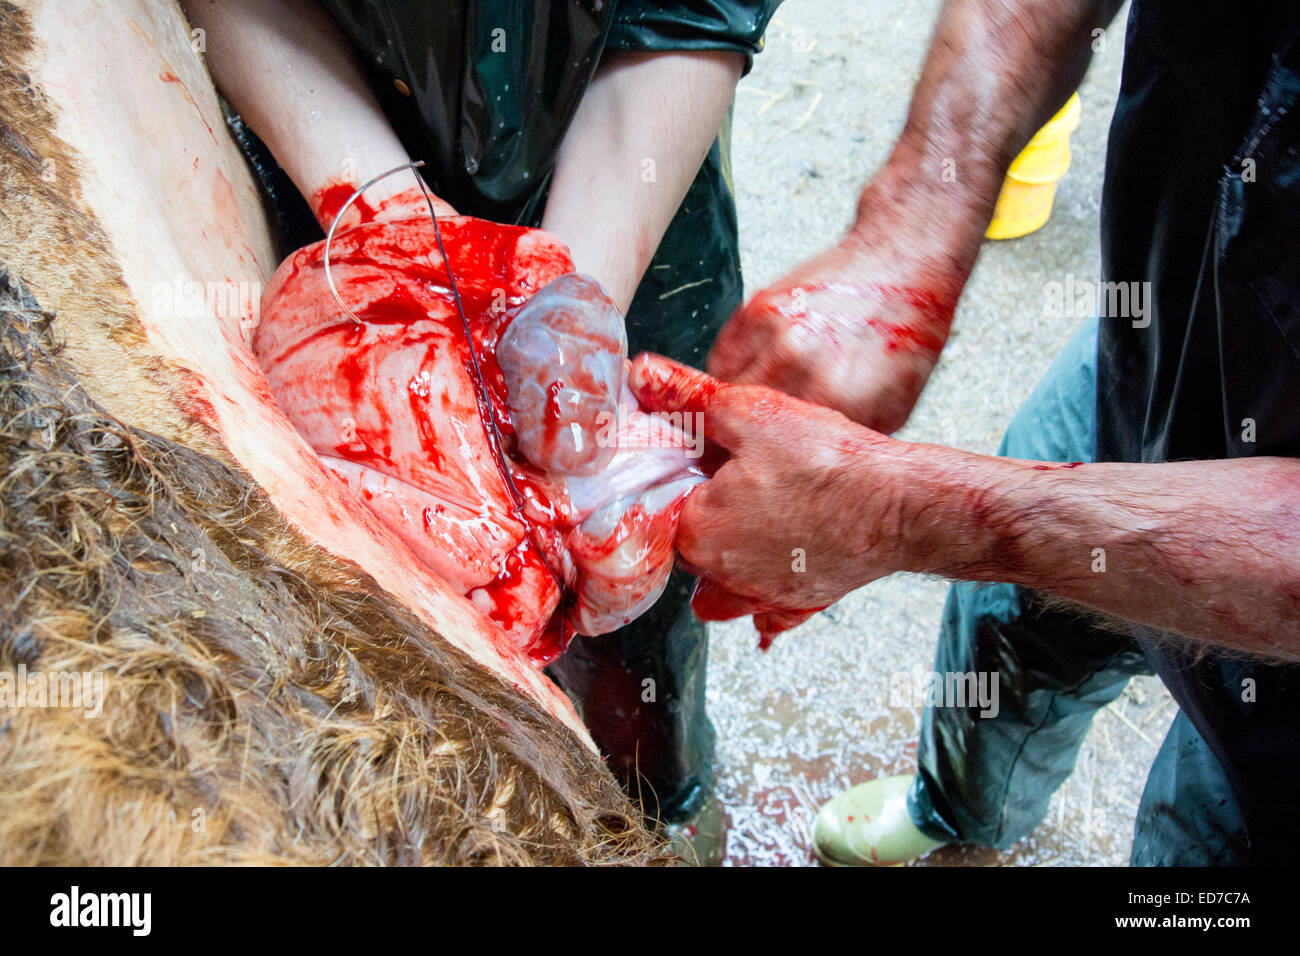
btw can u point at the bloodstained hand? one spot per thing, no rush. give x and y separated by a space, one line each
857 328
803 511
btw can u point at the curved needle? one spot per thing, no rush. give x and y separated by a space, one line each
338 217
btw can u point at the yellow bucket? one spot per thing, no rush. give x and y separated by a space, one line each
1025 203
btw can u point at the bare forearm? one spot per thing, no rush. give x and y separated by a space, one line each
996 71
640 134
290 74
1208 549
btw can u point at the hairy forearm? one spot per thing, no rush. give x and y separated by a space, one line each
640 134
1207 549
996 71
289 73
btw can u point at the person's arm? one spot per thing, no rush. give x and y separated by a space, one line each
859 327
289 73
642 130
811 506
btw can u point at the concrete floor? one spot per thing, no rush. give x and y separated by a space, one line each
816 116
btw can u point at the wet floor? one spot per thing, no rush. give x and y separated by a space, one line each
822 710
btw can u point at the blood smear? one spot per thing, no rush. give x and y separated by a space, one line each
393 395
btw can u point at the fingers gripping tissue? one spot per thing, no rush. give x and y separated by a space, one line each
572 529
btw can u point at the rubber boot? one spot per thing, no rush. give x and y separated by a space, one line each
868 825
701 840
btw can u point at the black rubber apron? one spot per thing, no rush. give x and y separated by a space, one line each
1202 201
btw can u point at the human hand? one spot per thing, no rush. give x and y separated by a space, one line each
807 507
857 328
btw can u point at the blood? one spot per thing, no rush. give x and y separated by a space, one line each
404 370
553 416
552 401
502 588
327 202
713 604
167 76
545 503
417 389
898 336
924 299
512 594
655 530
823 308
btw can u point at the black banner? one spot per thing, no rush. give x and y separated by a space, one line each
334 907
